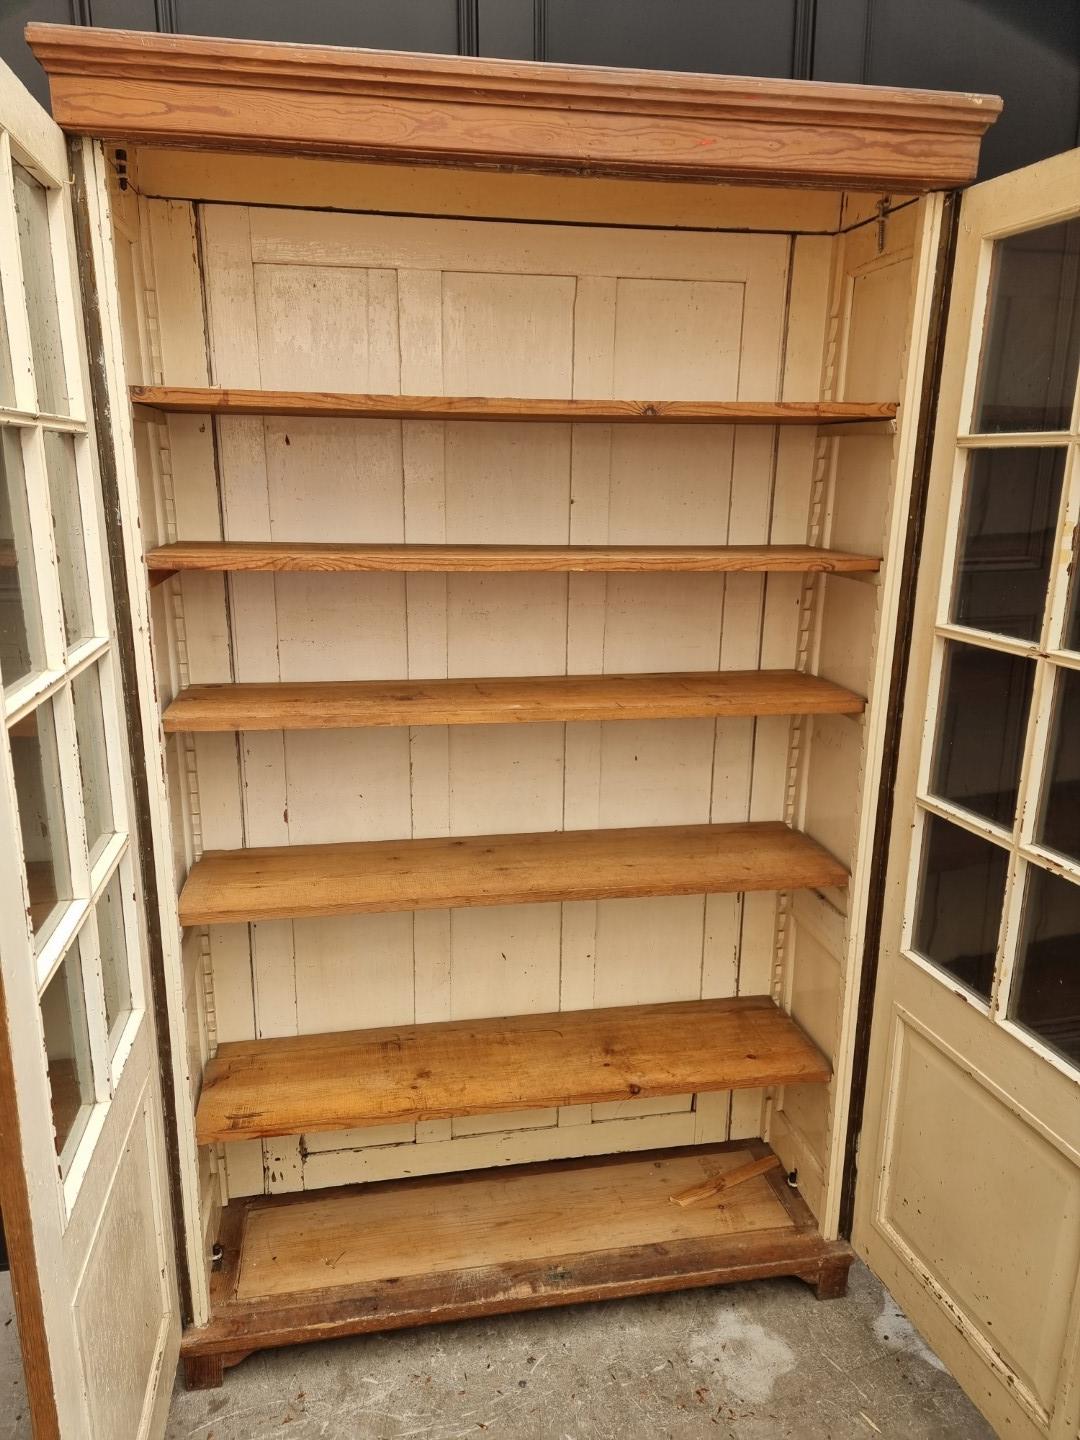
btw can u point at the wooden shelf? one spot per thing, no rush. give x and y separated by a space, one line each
400 1253
298 1085
173 399
219 555
334 705
296 881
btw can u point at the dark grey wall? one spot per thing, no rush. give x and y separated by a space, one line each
1027 51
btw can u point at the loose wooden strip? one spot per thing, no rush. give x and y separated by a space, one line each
536 699
401 1074
385 1256
340 405
294 881
218 555
726 1180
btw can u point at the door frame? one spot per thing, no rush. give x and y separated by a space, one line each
57 1222
910 563
1043 1099
109 403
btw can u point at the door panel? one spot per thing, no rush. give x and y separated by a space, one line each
968 1200
73 963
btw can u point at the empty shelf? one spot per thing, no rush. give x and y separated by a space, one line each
296 881
334 705
400 1074
211 401
166 560
363 1258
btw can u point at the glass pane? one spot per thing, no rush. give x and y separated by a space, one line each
1027 374
44 836
93 760
958 912
20 621
39 283
985 699
1046 989
70 541
1059 820
67 1048
112 937
1007 531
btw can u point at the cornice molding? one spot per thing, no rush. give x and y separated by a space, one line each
253 95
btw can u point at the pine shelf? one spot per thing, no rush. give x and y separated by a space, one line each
366 877
237 555
183 400
537 699
301 1084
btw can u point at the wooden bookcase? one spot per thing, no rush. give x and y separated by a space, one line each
521 734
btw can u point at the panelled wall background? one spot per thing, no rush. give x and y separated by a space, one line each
1028 51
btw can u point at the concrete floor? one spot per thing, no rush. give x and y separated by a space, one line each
756 1362
14 1419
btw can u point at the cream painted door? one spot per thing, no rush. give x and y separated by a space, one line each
968 1204
72 944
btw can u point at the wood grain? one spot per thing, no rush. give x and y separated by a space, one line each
402 1074
487 1219
429 109
216 555
173 399
293 881
538 699
522 1238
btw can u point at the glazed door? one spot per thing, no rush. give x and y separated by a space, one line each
83 1181
968 1204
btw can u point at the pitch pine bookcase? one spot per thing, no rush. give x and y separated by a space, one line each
520 472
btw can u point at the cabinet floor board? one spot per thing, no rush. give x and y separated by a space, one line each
386 1256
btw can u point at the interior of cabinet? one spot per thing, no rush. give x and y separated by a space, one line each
522 766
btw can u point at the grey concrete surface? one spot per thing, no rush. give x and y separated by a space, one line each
14 1418
757 1362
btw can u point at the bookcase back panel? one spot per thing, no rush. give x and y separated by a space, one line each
311 300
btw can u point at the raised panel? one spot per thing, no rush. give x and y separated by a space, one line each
956 1161
831 786
694 354
342 330
507 330
121 1310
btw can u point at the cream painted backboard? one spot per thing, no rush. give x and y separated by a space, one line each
388 304
73 947
968 1201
